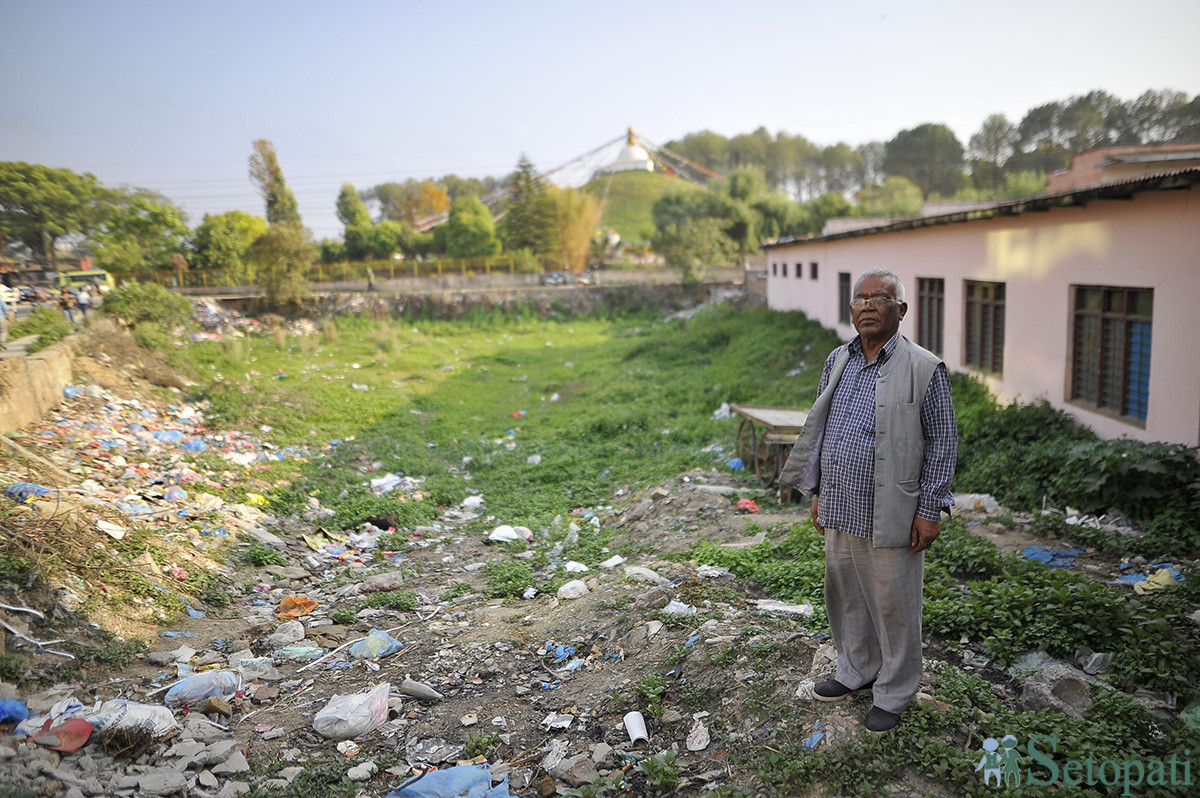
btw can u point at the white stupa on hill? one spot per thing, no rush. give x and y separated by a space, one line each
632 158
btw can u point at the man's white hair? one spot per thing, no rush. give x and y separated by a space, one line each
887 274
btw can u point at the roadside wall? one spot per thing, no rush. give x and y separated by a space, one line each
32 385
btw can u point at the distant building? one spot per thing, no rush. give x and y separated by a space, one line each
632 158
1086 297
1111 164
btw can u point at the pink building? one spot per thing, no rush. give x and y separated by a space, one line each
1083 297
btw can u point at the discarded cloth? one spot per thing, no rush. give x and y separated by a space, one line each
1159 580
460 781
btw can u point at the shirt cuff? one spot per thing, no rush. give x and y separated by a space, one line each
929 513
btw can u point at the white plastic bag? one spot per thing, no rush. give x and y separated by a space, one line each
121 714
347 716
194 689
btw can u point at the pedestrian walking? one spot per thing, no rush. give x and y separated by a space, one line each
84 300
66 302
6 315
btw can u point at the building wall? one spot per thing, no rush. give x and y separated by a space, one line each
1149 241
1097 166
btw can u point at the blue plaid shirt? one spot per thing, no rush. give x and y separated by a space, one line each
847 494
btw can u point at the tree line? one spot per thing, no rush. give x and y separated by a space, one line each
773 185
932 157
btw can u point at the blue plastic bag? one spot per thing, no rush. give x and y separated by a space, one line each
13 711
24 491
196 445
375 645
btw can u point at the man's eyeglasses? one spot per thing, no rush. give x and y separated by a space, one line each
876 302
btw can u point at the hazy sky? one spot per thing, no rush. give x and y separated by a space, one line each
170 95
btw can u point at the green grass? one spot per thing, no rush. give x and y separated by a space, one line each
618 402
634 400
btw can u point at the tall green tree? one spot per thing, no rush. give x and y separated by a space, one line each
895 196
710 150
388 237
221 242
990 148
281 258
351 210
267 177
750 149
693 246
39 205
470 232
530 219
929 155
140 232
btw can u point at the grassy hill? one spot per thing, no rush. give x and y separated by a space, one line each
630 196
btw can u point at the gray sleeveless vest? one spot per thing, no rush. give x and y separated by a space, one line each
900 389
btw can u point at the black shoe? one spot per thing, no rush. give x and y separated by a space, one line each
833 690
880 720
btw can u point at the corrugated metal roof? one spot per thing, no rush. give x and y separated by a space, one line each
1160 181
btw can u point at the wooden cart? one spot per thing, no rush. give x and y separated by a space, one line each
765 436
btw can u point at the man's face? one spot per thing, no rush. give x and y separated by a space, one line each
880 318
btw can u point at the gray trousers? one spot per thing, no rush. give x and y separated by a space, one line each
873 597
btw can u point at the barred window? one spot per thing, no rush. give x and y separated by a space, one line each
984 327
843 297
931 313
1110 353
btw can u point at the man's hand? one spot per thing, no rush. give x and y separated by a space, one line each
924 532
820 528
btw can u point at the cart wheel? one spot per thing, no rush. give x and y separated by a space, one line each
747 442
764 462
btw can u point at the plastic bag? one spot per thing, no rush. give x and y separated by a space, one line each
122 714
287 633
574 589
295 607
12 711
347 716
375 645
24 491
223 684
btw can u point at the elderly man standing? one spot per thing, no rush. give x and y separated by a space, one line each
877 453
